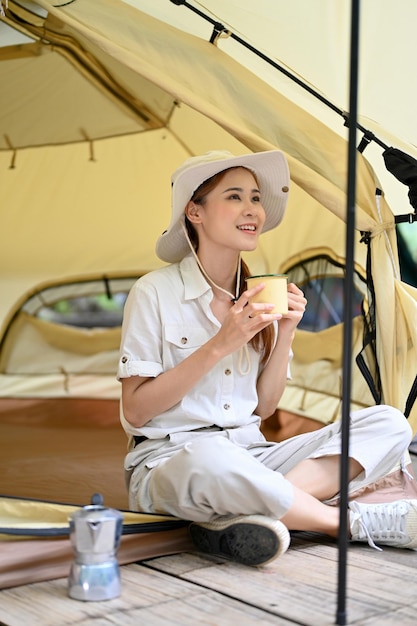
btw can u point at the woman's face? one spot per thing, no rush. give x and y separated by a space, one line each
232 215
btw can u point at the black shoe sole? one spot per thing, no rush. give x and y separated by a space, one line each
242 542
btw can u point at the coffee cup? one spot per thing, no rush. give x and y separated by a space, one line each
274 292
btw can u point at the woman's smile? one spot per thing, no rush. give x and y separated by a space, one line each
248 228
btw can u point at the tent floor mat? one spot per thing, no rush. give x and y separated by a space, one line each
62 450
66 449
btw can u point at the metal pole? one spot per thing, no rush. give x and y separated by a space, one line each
348 310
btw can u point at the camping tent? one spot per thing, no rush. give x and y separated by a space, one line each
101 101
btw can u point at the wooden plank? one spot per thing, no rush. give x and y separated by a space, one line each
402 617
282 588
148 596
188 589
302 585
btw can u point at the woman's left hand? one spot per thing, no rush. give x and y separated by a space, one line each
273 378
296 308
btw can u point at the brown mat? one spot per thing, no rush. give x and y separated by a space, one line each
66 449
62 450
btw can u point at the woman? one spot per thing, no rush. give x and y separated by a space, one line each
201 366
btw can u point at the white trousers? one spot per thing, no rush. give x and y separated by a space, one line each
209 473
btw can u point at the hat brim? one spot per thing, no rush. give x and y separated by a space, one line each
271 171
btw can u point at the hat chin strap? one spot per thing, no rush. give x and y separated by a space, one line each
200 265
244 351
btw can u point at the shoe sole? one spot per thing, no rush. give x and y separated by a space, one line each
248 539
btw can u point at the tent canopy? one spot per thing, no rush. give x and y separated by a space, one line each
108 98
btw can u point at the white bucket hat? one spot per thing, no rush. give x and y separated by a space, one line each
270 169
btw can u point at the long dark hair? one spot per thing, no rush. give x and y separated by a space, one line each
263 341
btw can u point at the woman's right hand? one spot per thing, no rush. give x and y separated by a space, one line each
244 320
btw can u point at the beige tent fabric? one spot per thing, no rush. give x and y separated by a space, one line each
195 74
396 315
312 41
147 96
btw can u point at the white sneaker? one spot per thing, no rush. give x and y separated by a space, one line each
247 539
391 524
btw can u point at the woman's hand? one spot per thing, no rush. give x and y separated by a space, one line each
296 307
244 320
273 378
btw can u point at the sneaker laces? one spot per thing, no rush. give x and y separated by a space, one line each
384 523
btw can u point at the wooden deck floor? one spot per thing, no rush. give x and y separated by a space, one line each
187 589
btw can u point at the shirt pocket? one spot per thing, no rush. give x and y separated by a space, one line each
181 341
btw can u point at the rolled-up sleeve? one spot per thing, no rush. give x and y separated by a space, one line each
141 343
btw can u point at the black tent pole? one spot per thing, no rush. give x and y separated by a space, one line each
347 314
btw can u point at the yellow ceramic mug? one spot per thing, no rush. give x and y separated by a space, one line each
274 292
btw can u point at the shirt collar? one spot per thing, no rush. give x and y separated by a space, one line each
195 285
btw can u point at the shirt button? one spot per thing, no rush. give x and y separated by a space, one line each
124 359
226 407
184 340
227 372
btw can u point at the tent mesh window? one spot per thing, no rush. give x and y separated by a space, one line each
67 328
322 277
88 304
322 280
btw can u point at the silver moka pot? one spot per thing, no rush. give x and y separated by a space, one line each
95 536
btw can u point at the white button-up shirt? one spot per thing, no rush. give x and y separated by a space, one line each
167 317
